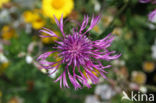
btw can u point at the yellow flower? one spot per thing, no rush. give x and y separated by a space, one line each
138 77
50 39
3 2
97 29
38 22
57 8
148 66
34 18
107 20
128 35
8 32
117 31
28 16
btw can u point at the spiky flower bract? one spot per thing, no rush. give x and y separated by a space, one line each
81 56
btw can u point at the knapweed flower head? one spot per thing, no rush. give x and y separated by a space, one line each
152 16
81 57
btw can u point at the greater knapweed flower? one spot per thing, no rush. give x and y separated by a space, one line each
81 57
152 16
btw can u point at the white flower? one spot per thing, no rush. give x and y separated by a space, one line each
29 59
118 62
16 24
104 91
3 59
44 71
143 89
91 99
51 74
28 28
151 26
97 6
5 16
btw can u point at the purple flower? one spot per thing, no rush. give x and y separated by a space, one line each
81 56
144 1
147 1
152 16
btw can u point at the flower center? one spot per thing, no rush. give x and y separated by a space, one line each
75 49
58 4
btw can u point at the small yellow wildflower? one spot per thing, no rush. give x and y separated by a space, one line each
106 20
138 77
97 29
148 66
2 2
28 16
34 18
128 35
57 8
117 31
8 32
38 22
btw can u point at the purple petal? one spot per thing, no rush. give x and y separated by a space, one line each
144 1
152 16
60 25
